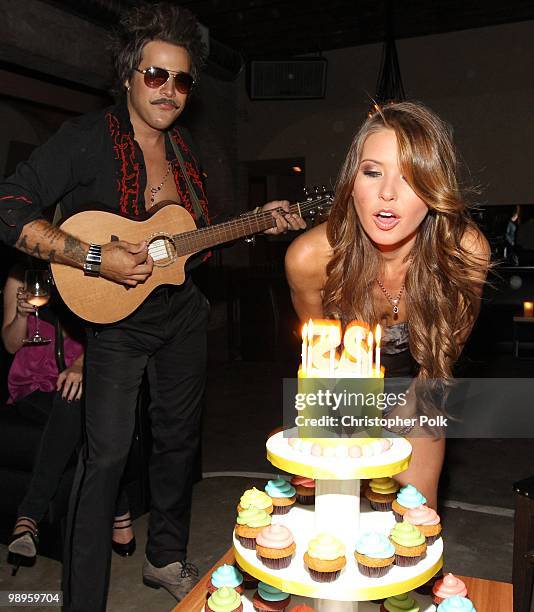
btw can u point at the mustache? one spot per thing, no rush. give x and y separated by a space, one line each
165 101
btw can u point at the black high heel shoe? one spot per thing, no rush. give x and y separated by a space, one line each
22 548
128 549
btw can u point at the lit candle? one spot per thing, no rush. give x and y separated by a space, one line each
378 336
370 354
528 309
304 347
310 347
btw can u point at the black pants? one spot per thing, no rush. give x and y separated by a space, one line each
170 330
60 439
62 421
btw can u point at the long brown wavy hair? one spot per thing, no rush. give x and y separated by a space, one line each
443 279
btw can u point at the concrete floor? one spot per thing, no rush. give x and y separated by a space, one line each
243 405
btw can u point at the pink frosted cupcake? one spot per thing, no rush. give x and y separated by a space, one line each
448 586
305 488
275 546
426 520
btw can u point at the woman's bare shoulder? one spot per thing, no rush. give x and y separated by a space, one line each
309 252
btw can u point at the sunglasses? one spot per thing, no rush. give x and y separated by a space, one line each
157 77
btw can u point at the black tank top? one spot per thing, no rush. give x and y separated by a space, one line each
395 352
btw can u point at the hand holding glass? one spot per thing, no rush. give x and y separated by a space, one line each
37 285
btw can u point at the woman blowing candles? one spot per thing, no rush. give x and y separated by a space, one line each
398 249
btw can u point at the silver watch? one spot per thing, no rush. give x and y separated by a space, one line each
93 260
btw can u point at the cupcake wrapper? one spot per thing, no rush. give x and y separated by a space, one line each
306 500
407 561
275 564
324 576
239 609
373 572
281 509
249 543
398 517
381 506
432 539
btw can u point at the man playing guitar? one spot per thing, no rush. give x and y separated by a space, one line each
124 156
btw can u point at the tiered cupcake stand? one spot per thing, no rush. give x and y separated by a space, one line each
339 511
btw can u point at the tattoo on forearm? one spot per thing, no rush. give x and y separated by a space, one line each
52 233
22 243
73 249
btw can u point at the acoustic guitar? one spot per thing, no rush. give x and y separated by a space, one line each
172 238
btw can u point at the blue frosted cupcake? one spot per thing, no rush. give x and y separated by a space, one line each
408 497
270 599
456 604
374 554
226 575
282 494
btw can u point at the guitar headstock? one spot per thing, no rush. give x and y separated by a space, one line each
317 202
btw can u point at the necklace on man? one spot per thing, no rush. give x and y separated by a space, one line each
393 301
154 190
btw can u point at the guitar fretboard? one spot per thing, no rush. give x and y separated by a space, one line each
248 224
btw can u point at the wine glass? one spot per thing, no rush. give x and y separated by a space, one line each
37 284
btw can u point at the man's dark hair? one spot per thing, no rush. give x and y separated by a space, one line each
159 21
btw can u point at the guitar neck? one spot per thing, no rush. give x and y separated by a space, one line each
246 225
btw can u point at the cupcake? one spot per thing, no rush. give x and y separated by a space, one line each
249 524
381 493
270 599
282 494
305 488
224 599
426 520
258 499
447 587
302 608
407 497
400 603
226 575
456 604
374 554
409 543
325 558
275 546
249 581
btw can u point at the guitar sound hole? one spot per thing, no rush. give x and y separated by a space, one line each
162 250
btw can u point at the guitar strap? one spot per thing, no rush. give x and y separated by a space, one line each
194 198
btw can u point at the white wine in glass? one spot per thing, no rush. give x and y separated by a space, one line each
37 284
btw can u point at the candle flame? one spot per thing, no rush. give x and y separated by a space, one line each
378 334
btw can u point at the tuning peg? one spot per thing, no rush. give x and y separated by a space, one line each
305 189
316 189
324 188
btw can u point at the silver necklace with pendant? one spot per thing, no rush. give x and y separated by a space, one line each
393 301
154 190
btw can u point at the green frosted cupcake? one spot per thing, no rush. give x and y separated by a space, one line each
409 543
400 603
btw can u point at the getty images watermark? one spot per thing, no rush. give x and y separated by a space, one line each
458 408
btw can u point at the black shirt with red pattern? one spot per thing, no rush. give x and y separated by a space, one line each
93 162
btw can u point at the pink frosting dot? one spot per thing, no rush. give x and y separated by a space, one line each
316 450
355 451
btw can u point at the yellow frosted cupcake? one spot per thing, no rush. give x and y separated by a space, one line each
256 498
325 558
381 493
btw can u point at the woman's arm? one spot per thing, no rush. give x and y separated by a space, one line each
70 381
306 261
16 311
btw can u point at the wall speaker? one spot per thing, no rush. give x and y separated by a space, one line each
295 79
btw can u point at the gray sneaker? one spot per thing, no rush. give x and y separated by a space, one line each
178 577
